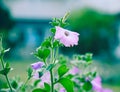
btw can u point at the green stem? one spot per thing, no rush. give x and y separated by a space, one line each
51 71
2 62
52 56
45 62
8 83
25 83
52 82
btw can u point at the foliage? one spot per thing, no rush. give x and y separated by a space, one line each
53 73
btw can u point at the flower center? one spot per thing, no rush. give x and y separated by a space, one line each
66 33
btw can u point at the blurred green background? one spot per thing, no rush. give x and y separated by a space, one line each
24 24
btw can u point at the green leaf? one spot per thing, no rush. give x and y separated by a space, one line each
62 59
5 71
46 53
94 74
39 90
87 86
54 23
53 30
47 87
47 43
81 79
43 53
67 84
7 65
29 71
14 84
40 53
88 57
36 82
62 70
69 76
56 44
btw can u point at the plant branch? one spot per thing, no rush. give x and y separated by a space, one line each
52 83
2 62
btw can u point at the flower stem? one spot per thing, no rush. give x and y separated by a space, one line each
2 62
52 82
51 71
8 83
25 82
23 87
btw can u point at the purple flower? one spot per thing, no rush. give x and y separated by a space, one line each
96 83
37 65
66 37
97 86
62 90
45 78
36 75
74 70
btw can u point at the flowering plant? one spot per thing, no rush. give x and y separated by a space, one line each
54 72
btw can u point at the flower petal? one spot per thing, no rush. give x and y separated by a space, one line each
37 65
66 37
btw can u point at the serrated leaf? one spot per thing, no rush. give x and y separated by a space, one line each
62 70
39 90
67 84
47 87
87 86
